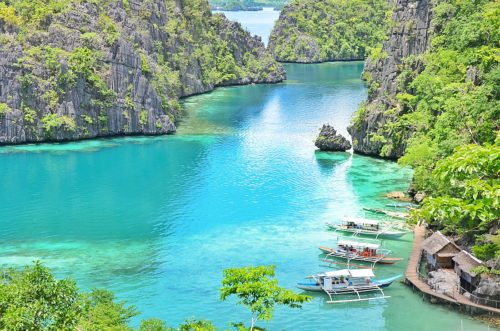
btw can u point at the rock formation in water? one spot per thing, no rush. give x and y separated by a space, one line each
329 140
81 69
409 36
328 30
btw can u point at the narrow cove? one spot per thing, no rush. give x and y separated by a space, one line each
157 219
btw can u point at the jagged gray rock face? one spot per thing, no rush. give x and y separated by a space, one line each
142 57
488 290
309 51
443 282
329 140
410 35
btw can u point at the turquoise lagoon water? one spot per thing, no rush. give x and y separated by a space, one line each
157 219
258 23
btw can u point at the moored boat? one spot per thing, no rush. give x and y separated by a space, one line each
349 249
368 227
393 214
347 281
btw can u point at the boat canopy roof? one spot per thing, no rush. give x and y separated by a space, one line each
361 273
357 244
337 273
356 273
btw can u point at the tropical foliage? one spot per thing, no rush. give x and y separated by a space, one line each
447 116
33 299
256 288
466 194
326 30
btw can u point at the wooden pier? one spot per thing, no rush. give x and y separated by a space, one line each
412 278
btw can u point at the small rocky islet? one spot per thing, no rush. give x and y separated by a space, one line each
330 141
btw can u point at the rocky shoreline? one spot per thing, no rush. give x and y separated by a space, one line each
120 73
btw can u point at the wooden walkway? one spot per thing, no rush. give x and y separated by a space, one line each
413 278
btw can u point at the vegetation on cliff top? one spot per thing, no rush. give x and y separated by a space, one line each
33 299
446 114
328 30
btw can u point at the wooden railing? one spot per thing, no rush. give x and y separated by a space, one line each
458 292
477 299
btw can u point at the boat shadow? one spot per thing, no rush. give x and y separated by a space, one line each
408 237
324 300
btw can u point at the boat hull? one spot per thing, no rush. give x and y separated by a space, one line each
343 255
385 234
375 285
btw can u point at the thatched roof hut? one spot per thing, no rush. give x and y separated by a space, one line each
439 251
465 262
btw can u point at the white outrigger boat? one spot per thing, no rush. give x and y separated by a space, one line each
368 250
348 281
368 227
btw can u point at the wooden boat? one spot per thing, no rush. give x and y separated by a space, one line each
349 249
394 214
348 281
368 227
401 205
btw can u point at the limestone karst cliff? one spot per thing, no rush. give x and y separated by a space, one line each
80 69
408 36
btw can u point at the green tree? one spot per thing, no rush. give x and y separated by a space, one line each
258 290
153 324
467 192
33 299
103 313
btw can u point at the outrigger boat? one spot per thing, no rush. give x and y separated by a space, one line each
368 227
394 214
366 251
347 281
401 205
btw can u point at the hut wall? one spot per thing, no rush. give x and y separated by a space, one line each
444 262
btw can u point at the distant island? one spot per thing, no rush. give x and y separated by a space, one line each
246 5
312 31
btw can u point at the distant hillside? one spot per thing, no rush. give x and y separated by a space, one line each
328 30
236 5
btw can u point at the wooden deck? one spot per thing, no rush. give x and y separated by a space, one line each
413 278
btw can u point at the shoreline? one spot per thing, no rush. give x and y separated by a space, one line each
485 314
325 61
132 134
183 97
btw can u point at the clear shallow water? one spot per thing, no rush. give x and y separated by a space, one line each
157 219
258 23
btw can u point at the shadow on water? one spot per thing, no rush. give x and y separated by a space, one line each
327 161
